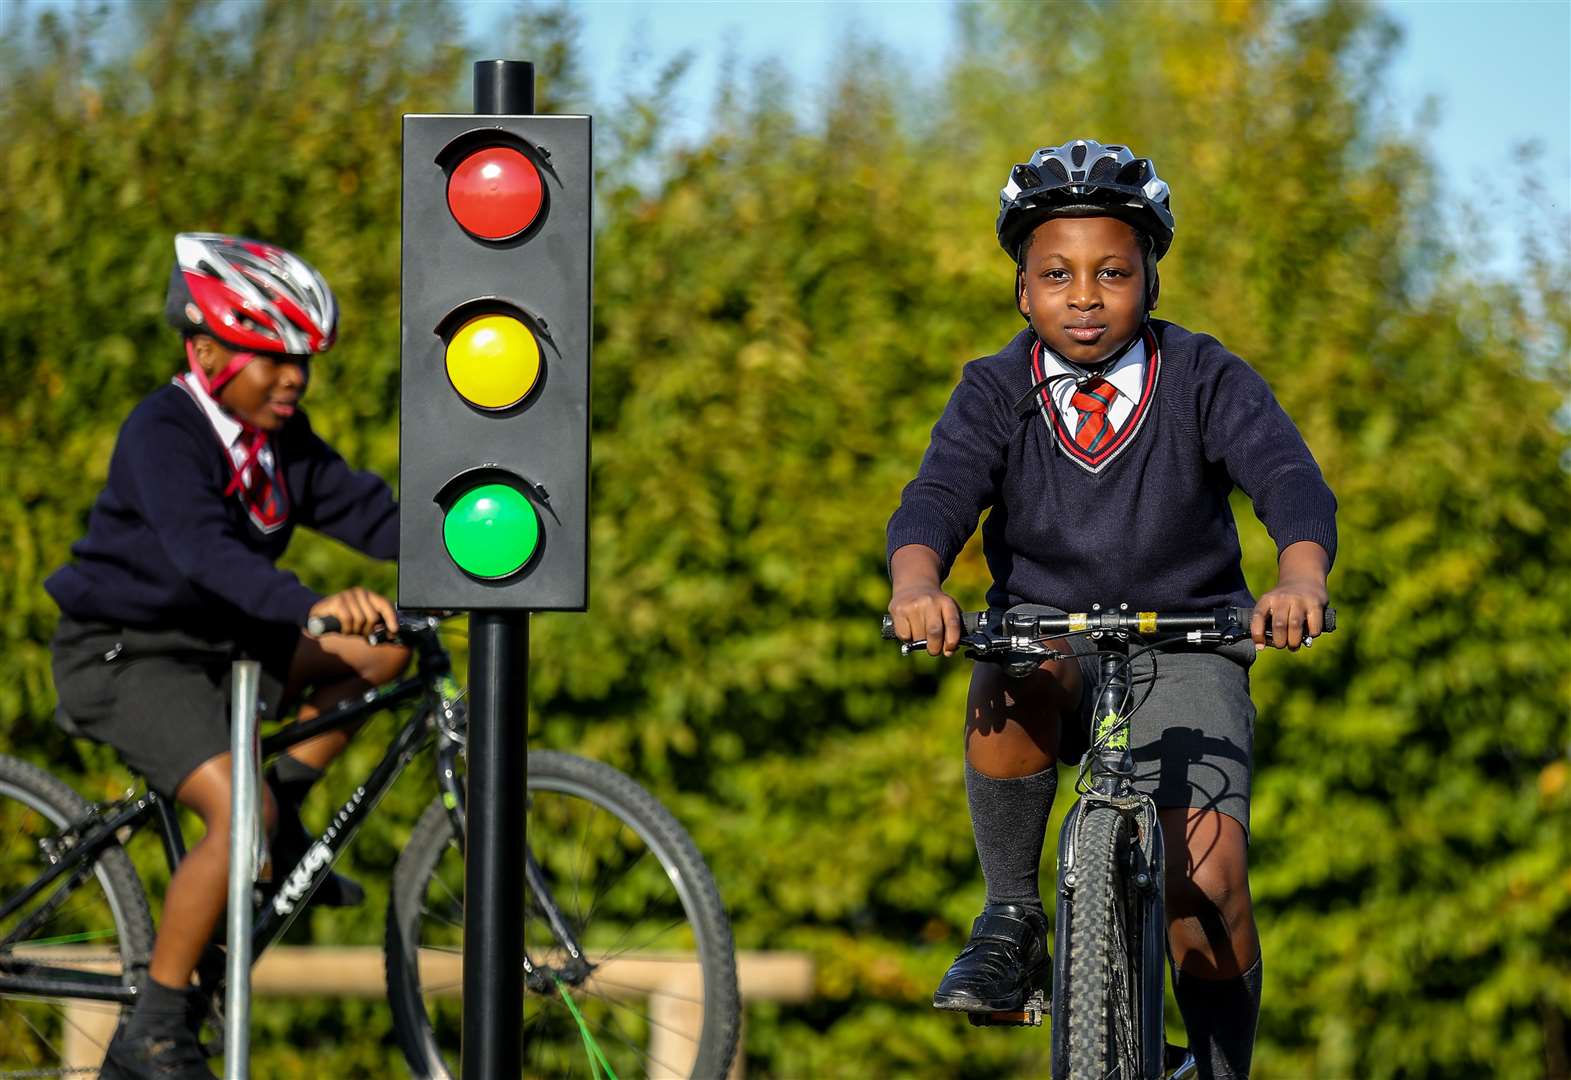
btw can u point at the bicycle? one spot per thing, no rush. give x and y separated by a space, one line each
613 883
1110 933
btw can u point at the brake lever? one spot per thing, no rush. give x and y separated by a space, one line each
1233 636
969 642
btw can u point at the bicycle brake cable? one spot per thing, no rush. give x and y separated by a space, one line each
597 1058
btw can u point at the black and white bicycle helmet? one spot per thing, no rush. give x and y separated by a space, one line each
1083 178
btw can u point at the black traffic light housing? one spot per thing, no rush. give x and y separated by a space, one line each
494 429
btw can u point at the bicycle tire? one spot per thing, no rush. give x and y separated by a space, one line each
33 1031
565 789
1102 963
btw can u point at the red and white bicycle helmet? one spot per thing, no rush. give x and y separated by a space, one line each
249 295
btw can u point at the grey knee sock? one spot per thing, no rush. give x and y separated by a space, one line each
1009 819
1220 1016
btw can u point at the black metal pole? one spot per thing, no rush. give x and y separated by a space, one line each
497 765
494 845
504 86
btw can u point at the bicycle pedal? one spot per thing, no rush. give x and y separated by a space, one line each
1030 1016
1178 1063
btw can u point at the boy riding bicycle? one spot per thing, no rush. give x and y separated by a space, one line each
1106 444
175 579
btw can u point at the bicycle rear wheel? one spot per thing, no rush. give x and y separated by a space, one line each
1102 964
92 919
659 995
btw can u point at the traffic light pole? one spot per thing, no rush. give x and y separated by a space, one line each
494 840
497 764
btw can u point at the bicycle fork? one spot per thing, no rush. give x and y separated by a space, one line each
1113 774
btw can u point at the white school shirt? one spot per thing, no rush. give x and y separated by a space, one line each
227 428
1128 378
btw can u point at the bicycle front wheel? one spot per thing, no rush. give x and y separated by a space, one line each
93 919
1103 960
656 993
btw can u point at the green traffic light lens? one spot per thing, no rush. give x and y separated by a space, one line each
491 530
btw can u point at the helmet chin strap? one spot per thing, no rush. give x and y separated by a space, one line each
256 437
212 384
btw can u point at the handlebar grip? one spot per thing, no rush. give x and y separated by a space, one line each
970 622
317 625
1327 618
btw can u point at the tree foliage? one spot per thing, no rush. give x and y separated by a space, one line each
781 310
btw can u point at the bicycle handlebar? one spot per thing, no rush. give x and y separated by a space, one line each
1025 624
317 625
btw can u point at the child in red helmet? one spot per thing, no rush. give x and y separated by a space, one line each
1106 444
176 578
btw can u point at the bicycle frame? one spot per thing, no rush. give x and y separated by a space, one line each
103 825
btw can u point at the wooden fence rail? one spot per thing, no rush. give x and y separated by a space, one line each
313 971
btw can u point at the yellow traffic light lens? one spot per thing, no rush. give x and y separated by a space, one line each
493 361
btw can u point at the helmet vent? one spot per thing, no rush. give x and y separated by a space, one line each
1103 170
1026 178
1077 154
1056 167
1133 173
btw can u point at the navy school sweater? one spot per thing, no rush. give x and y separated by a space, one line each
166 548
1148 523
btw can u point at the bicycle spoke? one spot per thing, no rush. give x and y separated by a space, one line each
620 1033
578 916
616 950
607 889
42 1038
448 920
638 989
614 1031
610 886
48 911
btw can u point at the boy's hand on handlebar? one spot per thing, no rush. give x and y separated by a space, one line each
358 611
926 612
1295 608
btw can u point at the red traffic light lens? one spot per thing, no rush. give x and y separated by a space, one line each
495 193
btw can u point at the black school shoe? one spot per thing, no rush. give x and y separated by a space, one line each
172 1054
1003 962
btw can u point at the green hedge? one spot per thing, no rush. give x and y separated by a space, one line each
781 310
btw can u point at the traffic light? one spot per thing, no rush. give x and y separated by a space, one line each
494 429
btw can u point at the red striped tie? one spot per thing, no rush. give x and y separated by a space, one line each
1094 431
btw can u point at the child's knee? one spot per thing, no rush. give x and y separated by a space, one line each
1217 886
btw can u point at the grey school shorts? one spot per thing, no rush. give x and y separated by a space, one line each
161 697
1193 738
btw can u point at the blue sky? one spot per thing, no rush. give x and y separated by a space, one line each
1499 71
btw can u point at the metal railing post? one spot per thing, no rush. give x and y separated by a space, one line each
246 846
